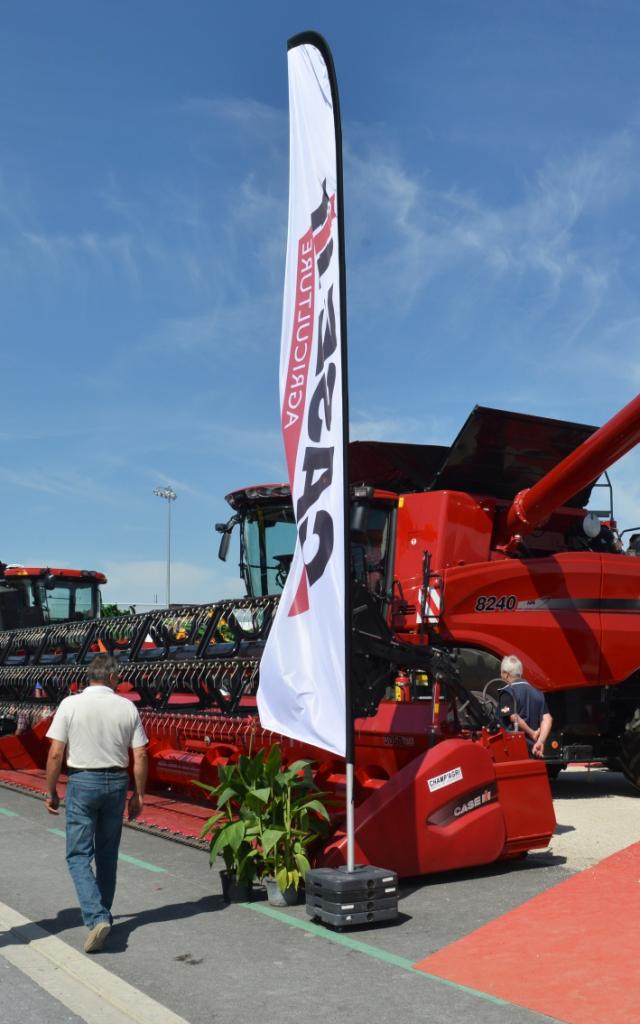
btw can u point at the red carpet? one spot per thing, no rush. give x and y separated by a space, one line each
165 813
572 952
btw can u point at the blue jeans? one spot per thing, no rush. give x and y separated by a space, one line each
95 803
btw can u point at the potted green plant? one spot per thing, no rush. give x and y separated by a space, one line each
293 818
267 817
233 828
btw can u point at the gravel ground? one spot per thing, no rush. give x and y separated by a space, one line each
598 813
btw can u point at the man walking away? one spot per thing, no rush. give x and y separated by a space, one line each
531 712
98 728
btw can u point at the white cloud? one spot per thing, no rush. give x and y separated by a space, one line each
228 329
144 582
68 484
59 250
256 121
387 427
405 233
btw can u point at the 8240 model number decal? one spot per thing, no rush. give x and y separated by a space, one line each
491 603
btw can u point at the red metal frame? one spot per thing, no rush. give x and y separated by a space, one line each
498 799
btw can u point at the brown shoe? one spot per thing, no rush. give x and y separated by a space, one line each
96 938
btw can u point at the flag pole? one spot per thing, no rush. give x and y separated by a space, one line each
316 40
349 725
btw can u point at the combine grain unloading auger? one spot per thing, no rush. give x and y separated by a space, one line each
439 783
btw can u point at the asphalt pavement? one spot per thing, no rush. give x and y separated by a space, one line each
190 956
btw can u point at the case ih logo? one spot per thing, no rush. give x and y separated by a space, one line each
315 255
459 808
477 801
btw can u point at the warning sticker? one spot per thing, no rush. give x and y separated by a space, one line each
446 779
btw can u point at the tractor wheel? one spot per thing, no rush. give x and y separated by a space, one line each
630 749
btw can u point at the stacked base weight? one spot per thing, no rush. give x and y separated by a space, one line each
344 898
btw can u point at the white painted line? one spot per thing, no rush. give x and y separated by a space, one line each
76 980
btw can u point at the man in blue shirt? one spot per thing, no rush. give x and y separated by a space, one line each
531 712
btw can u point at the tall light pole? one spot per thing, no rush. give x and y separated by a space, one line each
169 495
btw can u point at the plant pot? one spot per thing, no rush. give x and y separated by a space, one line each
234 891
277 898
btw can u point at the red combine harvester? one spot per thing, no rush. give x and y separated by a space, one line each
485 549
38 596
459 555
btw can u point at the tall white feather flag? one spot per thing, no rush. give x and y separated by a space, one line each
302 692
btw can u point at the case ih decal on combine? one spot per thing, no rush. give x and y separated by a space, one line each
440 784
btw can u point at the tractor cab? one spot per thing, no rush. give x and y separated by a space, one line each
41 596
265 517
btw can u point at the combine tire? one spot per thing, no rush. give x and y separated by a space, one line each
486 700
630 749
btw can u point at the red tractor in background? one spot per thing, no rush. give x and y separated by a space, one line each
485 548
39 596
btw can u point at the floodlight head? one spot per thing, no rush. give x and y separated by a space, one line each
165 492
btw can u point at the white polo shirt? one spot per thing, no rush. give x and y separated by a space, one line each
99 728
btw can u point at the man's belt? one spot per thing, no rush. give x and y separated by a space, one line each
111 770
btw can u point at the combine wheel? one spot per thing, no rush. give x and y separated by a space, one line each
630 749
485 699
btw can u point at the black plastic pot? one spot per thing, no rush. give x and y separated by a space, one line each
234 891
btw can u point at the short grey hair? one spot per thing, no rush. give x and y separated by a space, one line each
102 668
512 666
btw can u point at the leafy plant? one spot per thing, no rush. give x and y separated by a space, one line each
233 828
294 817
111 610
267 817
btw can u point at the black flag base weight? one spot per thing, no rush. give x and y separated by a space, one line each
343 898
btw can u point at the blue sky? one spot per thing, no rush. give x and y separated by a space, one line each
492 202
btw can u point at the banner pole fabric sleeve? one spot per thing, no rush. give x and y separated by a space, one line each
303 691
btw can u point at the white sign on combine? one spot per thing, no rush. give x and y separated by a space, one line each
302 670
